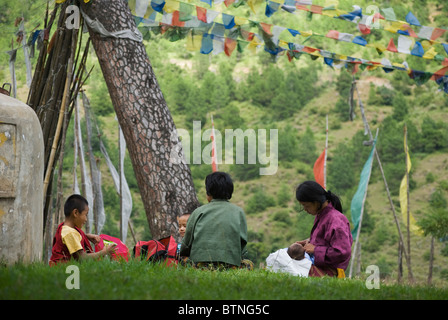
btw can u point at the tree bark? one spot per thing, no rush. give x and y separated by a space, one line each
166 186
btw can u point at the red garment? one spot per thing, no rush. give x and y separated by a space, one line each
60 252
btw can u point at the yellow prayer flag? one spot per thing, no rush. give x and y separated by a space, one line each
399 65
240 21
404 199
283 44
393 26
171 6
254 4
131 4
306 33
194 42
252 46
430 54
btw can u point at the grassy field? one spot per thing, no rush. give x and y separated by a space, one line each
109 280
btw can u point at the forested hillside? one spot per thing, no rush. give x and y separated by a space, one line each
256 89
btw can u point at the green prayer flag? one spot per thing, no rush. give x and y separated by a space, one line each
185 11
360 195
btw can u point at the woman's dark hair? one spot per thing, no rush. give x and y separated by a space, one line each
219 185
75 201
311 191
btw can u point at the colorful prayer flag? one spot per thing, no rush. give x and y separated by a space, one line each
214 155
411 19
357 205
319 166
404 195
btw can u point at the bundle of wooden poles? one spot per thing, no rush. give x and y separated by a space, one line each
59 75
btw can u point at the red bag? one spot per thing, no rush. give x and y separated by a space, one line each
121 250
157 250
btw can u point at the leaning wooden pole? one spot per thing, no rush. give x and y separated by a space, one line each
162 174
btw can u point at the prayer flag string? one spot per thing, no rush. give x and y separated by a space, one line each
211 31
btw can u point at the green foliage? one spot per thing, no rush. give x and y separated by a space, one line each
342 108
386 95
435 222
338 177
373 98
109 280
400 107
283 93
343 85
288 144
259 201
283 196
307 147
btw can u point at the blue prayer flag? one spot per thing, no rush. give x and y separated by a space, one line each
418 50
158 5
445 46
403 32
328 61
207 1
359 40
271 8
294 32
207 43
411 19
228 20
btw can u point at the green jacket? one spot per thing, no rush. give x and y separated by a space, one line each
216 232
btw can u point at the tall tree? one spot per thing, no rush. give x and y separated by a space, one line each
163 176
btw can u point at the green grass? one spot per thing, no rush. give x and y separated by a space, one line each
110 280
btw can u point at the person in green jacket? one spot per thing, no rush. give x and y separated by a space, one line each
216 233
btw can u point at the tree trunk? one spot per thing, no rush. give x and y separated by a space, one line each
166 186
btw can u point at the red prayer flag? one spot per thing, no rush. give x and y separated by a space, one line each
333 34
316 9
437 33
202 14
176 21
214 158
266 28
391 47
318 169
228 2
364 29
229 46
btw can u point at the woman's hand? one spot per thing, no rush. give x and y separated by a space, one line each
303 242
309 248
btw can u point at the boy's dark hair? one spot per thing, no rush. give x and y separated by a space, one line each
75 201
219 185
311 191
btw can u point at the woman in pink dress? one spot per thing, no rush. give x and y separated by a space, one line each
330 241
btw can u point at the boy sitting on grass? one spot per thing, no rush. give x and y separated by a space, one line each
70 242
216 234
